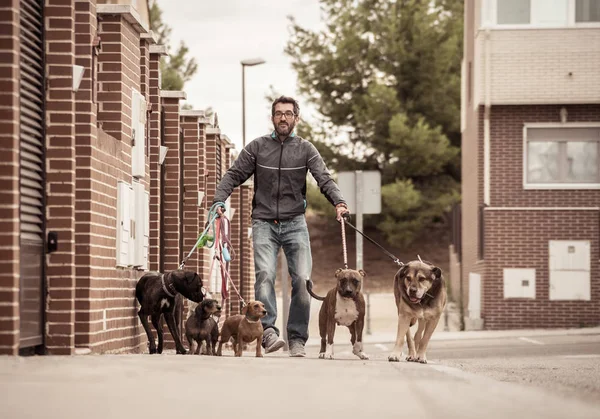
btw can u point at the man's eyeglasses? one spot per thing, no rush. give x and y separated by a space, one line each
288 114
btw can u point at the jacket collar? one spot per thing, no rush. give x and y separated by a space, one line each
274 135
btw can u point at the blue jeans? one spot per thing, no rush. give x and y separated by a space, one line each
291 235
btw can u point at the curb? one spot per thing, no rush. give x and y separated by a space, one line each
476 335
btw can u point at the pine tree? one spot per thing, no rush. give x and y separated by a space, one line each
387 74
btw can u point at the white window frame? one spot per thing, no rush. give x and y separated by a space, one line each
527 185
489 16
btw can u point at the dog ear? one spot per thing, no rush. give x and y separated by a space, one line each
402 271
338 271
362 273
189 276
436 273
245 310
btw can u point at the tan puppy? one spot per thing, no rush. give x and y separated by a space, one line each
420 294
244 328
343 305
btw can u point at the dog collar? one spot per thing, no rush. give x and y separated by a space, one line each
166 287
251 321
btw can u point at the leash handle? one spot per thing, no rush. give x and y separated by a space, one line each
344 244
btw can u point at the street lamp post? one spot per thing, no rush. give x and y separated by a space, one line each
251 62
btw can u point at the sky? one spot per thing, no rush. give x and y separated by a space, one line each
222 33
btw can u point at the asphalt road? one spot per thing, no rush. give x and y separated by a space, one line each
563 365
464 379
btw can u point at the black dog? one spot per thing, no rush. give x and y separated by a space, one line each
200 326
158 295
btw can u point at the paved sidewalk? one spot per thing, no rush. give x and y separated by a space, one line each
171 386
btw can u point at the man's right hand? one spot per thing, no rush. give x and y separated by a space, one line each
220 210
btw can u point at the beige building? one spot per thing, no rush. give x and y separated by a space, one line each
526 238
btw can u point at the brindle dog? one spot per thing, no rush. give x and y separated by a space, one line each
344 305
420 294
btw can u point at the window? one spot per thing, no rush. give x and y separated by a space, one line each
559 157
513 11
513 14
587 10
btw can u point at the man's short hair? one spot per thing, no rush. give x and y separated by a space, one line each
286 99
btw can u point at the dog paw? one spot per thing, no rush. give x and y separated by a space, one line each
362 355
411 358
421 360
322 355
394 357
152 351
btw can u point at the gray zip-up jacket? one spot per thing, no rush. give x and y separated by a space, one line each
279 170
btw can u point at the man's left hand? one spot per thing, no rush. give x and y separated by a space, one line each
340 209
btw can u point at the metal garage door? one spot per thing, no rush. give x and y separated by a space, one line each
32 173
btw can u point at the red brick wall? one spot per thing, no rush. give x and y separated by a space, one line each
154 128
519 239
9 178
191 210
203 256
119 72
60 176
85 134
248 255
235 263
171 251
507 143
106 309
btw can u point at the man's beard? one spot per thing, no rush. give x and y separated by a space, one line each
284 129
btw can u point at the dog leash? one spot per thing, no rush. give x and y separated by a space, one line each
394 258
215 215
344 249
220 254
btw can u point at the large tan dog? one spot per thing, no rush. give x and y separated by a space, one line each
343 305
420 294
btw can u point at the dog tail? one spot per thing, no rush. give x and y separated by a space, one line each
309 285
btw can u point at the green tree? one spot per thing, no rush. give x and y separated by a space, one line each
386 75
177 68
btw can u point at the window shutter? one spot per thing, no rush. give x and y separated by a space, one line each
138 132
132 207
123 223
141 211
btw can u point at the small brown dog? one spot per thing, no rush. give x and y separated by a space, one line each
244 328
200 325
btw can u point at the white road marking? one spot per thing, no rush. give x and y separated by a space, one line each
535 342
381 346
582 356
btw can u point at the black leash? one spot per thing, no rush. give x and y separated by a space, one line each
394 258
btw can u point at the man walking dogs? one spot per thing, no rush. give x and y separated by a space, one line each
279 162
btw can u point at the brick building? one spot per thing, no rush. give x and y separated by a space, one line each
102 175
526 240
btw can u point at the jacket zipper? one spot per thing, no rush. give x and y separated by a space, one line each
279 179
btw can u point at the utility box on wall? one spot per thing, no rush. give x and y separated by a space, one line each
519 283
569 262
